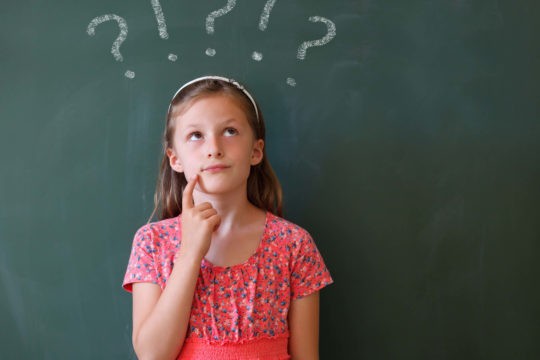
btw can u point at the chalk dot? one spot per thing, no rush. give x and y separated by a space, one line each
173 57
257 56
210 52
291 82
129 74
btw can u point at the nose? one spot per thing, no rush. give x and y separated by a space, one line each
214 148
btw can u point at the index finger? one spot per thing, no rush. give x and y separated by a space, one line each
187 196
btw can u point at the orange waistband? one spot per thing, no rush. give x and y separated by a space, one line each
264 349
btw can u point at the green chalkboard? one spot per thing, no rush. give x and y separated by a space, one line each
408 144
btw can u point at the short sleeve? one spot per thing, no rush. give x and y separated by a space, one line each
141 266
308 270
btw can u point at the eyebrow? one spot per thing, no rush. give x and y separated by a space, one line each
223 123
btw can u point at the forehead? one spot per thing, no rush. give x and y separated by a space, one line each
220 107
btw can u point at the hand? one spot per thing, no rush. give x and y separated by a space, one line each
198 223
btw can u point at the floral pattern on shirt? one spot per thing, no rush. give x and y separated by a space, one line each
242 302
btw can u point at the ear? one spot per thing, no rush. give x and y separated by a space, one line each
174 161
257 152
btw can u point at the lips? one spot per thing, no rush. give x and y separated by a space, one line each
215 168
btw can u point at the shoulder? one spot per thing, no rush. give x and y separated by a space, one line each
153 233
285 232
161 226
280 225
153 248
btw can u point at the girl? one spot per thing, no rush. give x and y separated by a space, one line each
222 275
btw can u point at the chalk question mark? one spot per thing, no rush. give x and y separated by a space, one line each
160 18
115 50
331 32
162 24
210 19
263 23
302 49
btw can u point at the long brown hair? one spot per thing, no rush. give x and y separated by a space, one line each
263 187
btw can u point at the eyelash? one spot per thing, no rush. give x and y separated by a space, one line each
198 133
233 129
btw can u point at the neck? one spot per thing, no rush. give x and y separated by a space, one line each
234 208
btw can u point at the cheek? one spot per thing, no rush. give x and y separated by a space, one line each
187 152
245 152
189 165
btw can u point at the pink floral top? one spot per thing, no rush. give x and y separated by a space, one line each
243 303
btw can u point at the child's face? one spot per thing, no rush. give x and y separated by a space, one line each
213 139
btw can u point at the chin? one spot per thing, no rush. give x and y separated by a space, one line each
219 187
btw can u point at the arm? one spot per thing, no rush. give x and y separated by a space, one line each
161 318
304 328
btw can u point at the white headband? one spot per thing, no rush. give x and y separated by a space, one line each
213 77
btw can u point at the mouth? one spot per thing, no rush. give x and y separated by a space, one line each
215 168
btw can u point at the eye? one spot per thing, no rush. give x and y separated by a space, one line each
230 131
195 136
